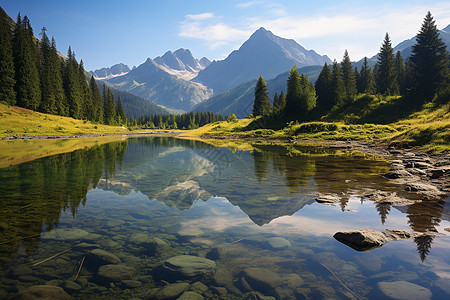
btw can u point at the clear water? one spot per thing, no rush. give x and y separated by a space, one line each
196 197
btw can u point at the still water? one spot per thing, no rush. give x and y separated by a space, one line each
136 219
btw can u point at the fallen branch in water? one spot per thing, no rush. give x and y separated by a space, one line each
26 205
38 263
79 269
18 239
236 241
353 294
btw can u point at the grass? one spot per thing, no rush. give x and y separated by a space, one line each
24 122
400 122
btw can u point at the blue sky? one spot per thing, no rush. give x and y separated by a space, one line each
103 33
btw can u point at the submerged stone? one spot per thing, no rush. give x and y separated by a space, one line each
98 257
171 291
115 272
278 243
189 266
65 234
261 279
403 290
190 295
42 292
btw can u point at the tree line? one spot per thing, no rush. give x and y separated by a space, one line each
420 77
35 76
182 121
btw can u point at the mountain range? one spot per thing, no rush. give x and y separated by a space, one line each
114 71
177 80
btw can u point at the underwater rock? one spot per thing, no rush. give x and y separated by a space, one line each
277 243
115 272
154 245
261 279
171 291
71 286
223 277
99 257
64 234
257 296
190 295
131 283
42 292
403 290
189 266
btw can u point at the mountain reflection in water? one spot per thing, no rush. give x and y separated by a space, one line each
271 186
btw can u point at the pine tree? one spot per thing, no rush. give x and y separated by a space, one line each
261 105
71 83
7 73
386 78
338 85
120 114
27 87
293 106
96 101
366 79
400 70
57 82
48 101
109 109
307 95
279 102
324 88
349 78
429 60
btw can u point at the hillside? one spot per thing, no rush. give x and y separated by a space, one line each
151 82
239 101
24 122
262 54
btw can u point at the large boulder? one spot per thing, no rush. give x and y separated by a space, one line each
403 290
42 292
189 266
361 240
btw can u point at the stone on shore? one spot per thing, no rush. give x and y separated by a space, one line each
361 240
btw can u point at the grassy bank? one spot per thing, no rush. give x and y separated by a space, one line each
24 122
402 125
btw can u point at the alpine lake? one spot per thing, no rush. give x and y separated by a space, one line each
156 217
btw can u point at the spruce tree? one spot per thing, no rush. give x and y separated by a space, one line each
401 72
279 102
96 101
307 95
386 78
357 79
48 101
293 106
7 81
120 113
86 104
349 78
324 88
109 109
366 79
57 82
261 104
71 83
27 87
429 60
338 85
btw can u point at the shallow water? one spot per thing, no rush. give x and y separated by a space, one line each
196 198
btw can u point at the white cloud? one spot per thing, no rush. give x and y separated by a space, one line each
360 30
246 4
199 17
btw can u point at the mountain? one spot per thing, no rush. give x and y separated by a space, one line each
239 101
262 54
152 82
405 47
134 106
114 71
181 63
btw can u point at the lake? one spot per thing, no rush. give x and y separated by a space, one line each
161 217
